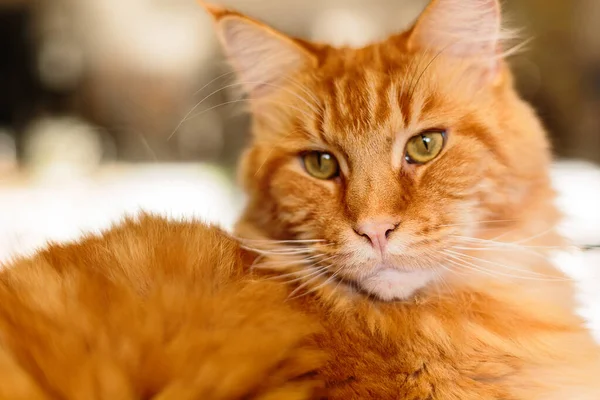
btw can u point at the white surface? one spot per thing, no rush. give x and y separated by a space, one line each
578 186
33 214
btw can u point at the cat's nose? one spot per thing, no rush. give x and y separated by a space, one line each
377 230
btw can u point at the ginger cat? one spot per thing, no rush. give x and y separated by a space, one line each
399 190
410 183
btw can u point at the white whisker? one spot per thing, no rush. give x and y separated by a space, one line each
195 107
497 274
327 281
508 267
299 288
313 272
284 264
213 80
280 241
497 221
505 244
280 265
279 252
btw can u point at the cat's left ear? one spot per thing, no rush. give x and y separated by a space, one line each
260 55
467 29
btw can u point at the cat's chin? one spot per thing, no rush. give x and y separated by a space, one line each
391 284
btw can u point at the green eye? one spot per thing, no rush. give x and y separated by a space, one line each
321 165
425 147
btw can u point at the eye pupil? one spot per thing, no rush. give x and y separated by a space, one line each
320 165
423 148
426 141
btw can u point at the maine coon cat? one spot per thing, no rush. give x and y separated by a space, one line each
414 180
401 193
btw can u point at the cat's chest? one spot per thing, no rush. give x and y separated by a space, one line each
408 363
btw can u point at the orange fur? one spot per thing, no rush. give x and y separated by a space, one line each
153 309
480 311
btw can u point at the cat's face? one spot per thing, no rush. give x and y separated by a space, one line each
386 156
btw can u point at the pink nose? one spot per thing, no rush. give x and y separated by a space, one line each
377 230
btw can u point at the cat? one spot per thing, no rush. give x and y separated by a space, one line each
152 309
404 188
401 193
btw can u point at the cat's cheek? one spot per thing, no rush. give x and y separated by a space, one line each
306 207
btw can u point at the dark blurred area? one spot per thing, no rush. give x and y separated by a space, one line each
95 81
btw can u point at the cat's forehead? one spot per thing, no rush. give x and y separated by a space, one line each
371 101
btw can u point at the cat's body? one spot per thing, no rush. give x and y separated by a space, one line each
400 189
150 310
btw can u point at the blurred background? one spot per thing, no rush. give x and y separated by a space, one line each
123 75
112 106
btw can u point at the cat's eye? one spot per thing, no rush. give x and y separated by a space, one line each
424 147
321 165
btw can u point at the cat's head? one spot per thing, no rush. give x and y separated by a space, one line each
386 155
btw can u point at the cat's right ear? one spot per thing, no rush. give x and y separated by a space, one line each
465 29
260 55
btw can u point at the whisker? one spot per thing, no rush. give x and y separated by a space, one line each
497 221
478 268
536 236
280 249
279 265
293 273
280 241
450 270
279 252
276 246
212 81
195 107
146 144
413 73
327 281
442 281
505 244
416 85
512 268
304 89
284 264
507 247
501 249
190 117
299 288
334 290
272 149
314 272
309 105
460 265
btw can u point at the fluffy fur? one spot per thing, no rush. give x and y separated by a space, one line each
150 310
